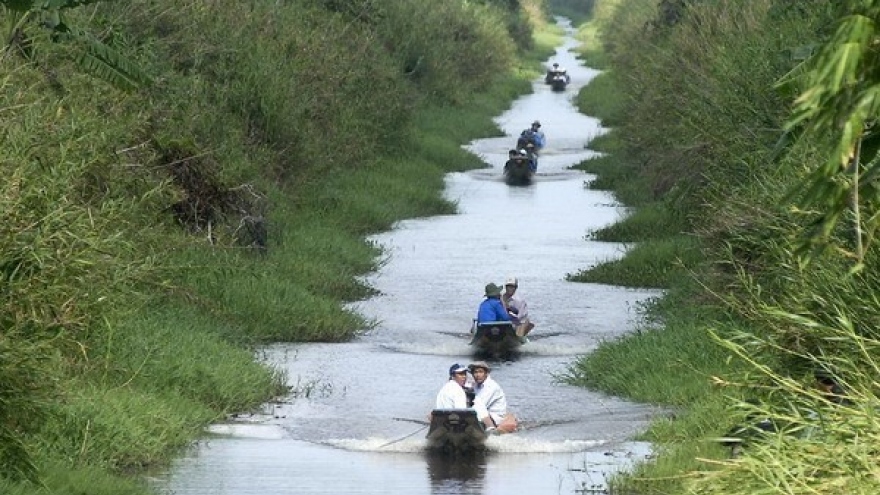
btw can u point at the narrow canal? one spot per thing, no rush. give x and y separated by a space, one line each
354 425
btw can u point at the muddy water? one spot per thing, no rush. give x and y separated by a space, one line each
357 423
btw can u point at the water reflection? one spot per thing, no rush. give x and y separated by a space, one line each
456 475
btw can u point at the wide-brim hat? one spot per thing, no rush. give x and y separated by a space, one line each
479 364
493 290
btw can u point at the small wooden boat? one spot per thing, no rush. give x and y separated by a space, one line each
518 172
456 432
497 339
559 82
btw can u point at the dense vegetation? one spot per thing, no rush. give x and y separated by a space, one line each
744 133
182 181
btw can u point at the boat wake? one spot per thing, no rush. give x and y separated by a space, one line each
508 444
536 346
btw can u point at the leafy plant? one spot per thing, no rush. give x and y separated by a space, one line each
838 108
94 55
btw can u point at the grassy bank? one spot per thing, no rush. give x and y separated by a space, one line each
184 181
723 221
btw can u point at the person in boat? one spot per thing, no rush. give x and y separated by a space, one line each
453 395
551 73
517 309
531 156
531 136
490 393
538 138
491 309
512 160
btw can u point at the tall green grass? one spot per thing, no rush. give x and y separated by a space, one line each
697 136
657 263
129 297
600 98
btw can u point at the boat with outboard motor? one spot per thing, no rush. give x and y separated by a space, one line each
496 339
559 81
518 171
456 431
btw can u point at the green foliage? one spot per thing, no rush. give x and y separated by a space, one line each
95 56
103 62
26 372
447 49
702 123
59 480
601 99
65 261
577 10
828 443
656 264
838 108
100 427
128 298
26 5
650 222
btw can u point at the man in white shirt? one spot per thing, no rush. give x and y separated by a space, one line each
492 397
517 308
452 396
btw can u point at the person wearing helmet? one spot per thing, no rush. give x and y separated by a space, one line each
517 309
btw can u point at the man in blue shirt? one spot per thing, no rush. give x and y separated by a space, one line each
537 134
491 308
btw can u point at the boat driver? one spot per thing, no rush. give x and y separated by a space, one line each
491 309
512 158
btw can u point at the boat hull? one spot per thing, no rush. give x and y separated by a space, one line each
496 339
519 174
456 432
559 84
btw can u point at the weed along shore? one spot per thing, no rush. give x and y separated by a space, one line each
185 183
724 144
